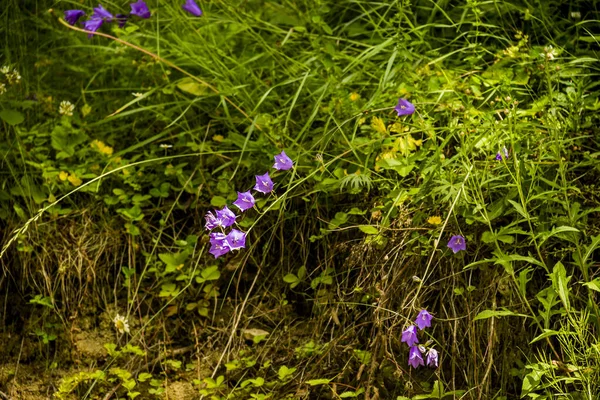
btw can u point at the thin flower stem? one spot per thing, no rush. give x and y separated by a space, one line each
164 61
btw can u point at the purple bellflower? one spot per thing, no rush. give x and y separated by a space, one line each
193 8
244 201
72 16
218 247
432 357
500 156
264 184
217 237
404 107
211 221
226 217
457 243
423 320
93 25
415 359
235 240
409 336
102 13
283 162
140 8
99 16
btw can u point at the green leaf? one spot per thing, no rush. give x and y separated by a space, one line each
144 376
519 209
547 333
218 201
594 285
350 394
369 229
12 117
488 237
485 314
210 273
290 278
590 249
559 283
317 382
191 86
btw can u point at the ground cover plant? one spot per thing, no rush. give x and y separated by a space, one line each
305 199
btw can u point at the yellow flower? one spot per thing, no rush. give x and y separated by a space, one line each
218 138
378 125
435 220
75 181
354 96
102 148
63 175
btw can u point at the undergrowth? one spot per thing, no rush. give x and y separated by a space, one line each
116 146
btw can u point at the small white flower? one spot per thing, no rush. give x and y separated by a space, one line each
165 146
550 53
2 88
137 94
121 324
66 108
13 77
5 70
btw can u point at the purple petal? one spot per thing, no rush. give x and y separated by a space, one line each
235 240
432 357
226 217
101 13
415 359
283 162
193 8
140 8
457 243
264 184
404 107
409 336
244 201
72 16
423 320
93 25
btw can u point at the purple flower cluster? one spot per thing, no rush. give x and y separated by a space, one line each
139 9
221 243
415 353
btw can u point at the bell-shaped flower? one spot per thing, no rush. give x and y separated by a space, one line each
457 243
140 8
409 336
72 16
264 184
211 221
98 18
193 8
218 245
244 201
226 217
404 107
423 320
283 162
432 357
235 240
102 13
415 359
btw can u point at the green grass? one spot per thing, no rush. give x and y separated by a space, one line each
102 212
